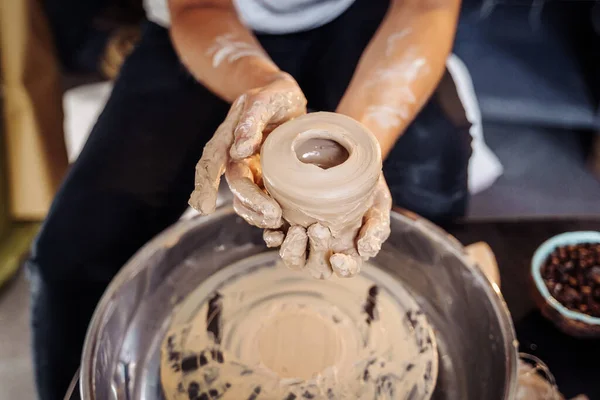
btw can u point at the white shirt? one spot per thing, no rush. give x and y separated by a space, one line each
268 16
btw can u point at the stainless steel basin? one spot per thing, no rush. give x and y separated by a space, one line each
476 340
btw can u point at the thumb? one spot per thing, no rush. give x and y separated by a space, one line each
211 165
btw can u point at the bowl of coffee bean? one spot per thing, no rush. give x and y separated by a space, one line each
566 274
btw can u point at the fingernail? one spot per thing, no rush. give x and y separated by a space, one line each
368 248
273 238
208 207
204 203
272 212
344 266
240 150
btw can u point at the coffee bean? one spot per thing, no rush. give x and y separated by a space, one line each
586 290
558 288
562 254
572 275
594 274
569 265
548 271
570 295
573 281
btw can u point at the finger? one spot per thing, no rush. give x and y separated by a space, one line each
248 134
346 263
254 165
293 248
281 101
273 238
376 226
261 206
212 163
319 238
249 215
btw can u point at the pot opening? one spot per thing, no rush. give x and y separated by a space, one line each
324 153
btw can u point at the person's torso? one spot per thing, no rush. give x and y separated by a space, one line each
269 16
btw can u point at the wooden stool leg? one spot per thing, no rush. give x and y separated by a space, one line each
35 152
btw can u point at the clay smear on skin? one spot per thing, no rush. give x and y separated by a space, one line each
227 48
400 75
247 121
387 116
393 38
270 105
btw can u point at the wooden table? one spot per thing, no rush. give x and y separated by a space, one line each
575 363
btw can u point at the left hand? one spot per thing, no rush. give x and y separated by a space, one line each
234 150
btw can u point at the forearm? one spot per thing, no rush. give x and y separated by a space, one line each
401 67
217 49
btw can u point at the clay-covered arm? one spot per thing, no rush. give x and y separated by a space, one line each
224 55
217 49
401 67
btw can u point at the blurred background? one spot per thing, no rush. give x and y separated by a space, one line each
530 68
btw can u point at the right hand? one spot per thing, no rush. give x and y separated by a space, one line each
327 254
234 150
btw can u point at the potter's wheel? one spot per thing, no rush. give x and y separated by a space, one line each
256 327
122 353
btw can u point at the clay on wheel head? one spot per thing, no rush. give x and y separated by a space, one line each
323 168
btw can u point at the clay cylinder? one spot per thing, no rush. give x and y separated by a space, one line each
335 195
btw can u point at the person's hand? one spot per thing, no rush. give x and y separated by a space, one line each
234 149
327 254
